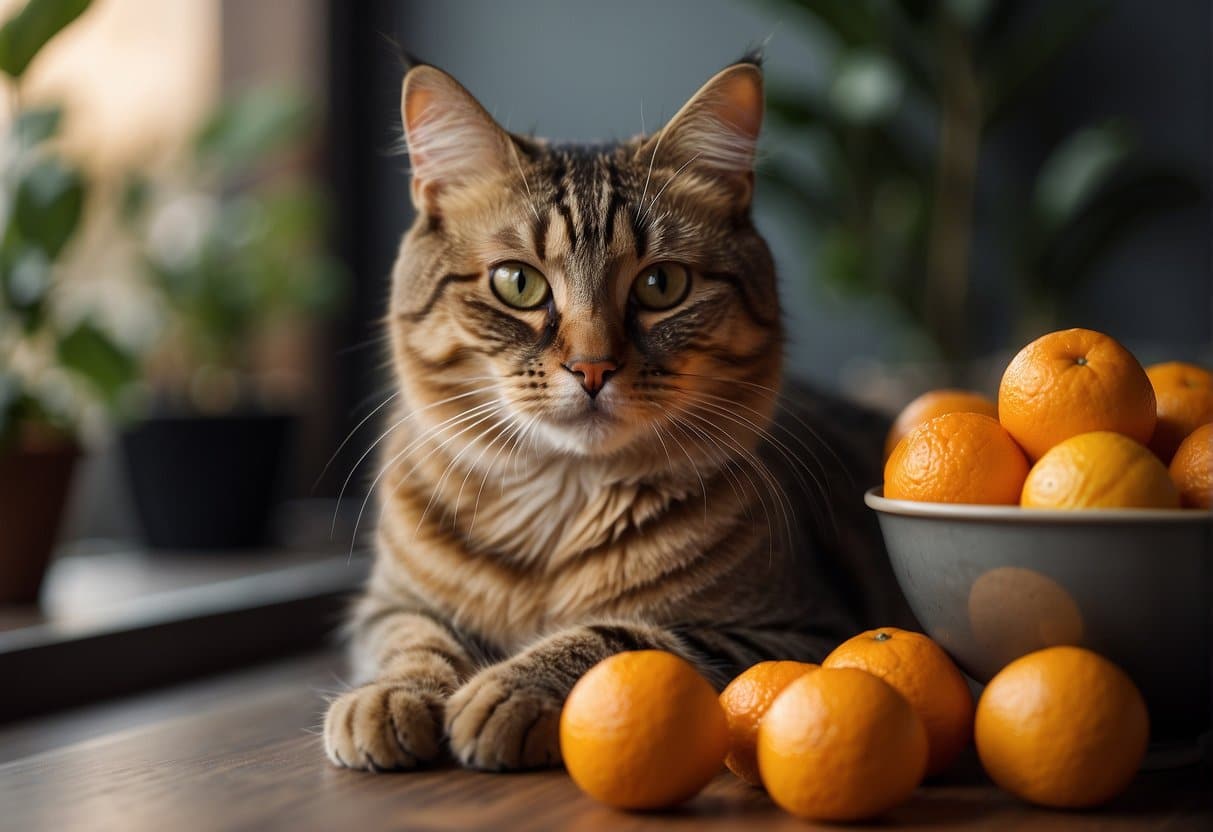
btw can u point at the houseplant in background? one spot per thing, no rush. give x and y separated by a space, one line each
61 374
891 138
231 245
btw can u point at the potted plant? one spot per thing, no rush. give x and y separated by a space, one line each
888 143
231 242
60 371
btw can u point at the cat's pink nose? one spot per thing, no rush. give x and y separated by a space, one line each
594 374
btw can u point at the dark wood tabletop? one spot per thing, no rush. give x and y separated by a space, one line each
244 754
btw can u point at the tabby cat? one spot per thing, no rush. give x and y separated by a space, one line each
590 452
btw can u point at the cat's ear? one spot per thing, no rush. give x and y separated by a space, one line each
716 130
451 139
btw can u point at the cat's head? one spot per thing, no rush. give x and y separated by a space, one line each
598 300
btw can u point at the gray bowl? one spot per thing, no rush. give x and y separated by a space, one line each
992 583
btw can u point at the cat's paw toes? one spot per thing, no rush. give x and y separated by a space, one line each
383 726
499 721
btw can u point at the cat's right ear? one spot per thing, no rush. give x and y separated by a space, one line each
451 139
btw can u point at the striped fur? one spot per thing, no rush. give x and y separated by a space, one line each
528 530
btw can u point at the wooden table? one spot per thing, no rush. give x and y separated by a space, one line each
242 753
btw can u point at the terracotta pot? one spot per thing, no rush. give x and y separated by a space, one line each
34 484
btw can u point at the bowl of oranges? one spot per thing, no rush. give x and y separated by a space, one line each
1075 509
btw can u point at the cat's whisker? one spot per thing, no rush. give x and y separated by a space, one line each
656 426
350 436
793 461
425 437
532 443
770 436
771 484
727 459
821 493
648 176
670 181
395 426
513 425
760 467
523 446
777 398
454 461
512 443
526 184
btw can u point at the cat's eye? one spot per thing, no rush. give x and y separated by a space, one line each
662 286
519 285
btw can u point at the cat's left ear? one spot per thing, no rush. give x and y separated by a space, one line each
715 131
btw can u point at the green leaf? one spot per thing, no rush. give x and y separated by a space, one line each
93 355
1135 195
28 30
1076 169
866 87
1021 59
136 191
249 127
25 278
842 261
972 13
852 22
36 125
50 200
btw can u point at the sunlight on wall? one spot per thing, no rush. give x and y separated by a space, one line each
135 77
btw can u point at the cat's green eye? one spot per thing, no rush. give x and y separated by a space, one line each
662 286
519 285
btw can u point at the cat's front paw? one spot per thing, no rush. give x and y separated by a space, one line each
503 720
384 726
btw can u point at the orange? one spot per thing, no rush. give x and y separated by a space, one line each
1062 727
1099 470
956 458
1184 393
840 744
642 730
921 671
745 702
1192 469
1071 382
936 403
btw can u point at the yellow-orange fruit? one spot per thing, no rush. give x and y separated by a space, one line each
1192 469
936 403
1062 727
1071 382
956 458
1099 470
745 702
840 744
642 730
925 675
1184 393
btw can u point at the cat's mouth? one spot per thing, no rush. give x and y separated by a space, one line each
590 428
593 412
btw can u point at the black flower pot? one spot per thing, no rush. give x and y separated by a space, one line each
207 482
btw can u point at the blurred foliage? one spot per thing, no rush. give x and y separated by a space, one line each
27 31
47 365
895 131
239 242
